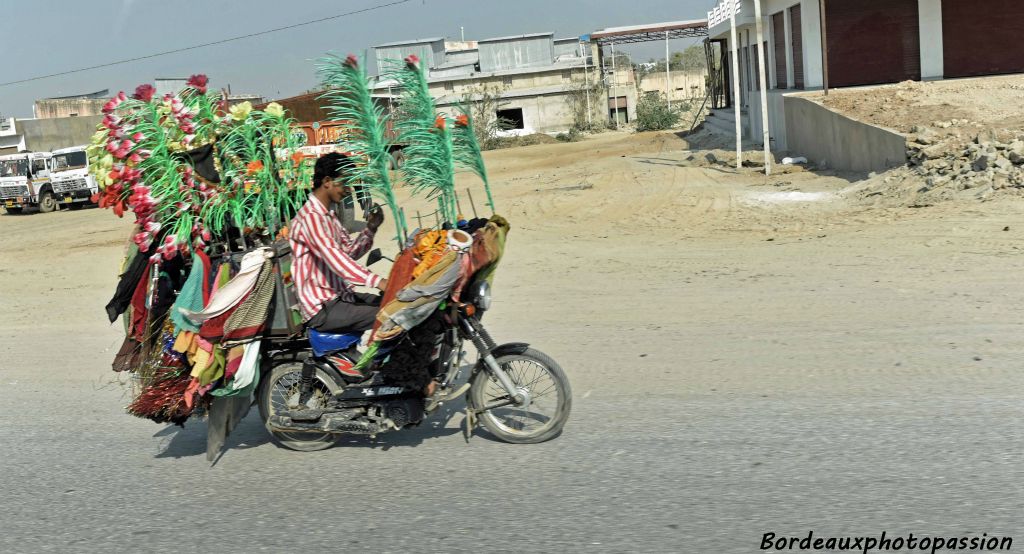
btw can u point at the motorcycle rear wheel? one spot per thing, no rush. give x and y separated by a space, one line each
280 392
550 398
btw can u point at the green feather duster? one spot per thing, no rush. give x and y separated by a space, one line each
467 149
364 129
429 166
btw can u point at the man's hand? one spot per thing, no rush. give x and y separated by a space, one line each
383 285
374 218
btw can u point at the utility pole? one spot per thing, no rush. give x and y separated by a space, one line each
824 46
764 89
612 89
586 79
668 75
736 84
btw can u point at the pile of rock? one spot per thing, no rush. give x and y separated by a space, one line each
990 159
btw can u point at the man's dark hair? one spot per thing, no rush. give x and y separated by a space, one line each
330 166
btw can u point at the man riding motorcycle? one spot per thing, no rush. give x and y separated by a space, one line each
324 267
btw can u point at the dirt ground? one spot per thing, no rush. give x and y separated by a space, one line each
964 107
747 354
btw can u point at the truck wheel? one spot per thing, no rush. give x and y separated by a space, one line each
47 203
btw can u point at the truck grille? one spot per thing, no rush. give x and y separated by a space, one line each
69 185
12 191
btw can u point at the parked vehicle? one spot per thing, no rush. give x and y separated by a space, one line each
25 182
73 186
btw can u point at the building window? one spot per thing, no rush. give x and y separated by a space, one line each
511 118
449 86
567 76
73 114
507 81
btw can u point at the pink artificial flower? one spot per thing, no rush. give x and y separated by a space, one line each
198 82
352 61
144 92
135 158
138 136
412 59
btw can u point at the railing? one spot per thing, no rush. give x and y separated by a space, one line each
720 13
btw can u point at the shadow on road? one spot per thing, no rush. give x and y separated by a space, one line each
184 442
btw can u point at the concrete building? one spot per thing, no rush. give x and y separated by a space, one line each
71 106
45 135
678 85
539 80
11 140
868 42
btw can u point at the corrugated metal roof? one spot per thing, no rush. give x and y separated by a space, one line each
517 37
407 42
98 94
649 28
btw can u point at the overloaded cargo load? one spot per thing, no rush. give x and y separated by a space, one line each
206 294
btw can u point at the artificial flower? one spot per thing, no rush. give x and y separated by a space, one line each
144 92
198 82
274 109
240 111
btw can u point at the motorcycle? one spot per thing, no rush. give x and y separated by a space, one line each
309 396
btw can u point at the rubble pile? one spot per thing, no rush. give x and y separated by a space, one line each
991 159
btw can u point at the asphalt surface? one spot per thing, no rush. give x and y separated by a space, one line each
863 382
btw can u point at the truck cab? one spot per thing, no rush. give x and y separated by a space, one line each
73 186
25 182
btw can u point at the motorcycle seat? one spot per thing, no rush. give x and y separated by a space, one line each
324 343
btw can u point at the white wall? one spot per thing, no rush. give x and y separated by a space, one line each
932 60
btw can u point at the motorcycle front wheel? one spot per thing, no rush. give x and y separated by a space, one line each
280 393
539 376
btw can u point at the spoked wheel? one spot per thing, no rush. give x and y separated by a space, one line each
280 393
542 380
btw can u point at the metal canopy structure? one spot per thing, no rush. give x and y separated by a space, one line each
651 32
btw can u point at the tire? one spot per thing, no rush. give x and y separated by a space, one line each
281 385
485 389
14 211
47 202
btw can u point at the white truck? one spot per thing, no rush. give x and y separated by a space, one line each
73 186
25 182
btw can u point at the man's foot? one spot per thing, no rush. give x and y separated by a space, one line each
440 396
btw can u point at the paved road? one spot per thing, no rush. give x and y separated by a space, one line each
862 382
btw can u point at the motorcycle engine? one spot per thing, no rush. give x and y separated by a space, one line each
404 411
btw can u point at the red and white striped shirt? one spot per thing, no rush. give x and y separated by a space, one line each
323 258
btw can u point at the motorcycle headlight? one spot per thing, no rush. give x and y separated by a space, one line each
482 296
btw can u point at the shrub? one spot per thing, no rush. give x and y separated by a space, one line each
653 113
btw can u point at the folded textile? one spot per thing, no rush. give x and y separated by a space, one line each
229 295
419 299
250 319
190 297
